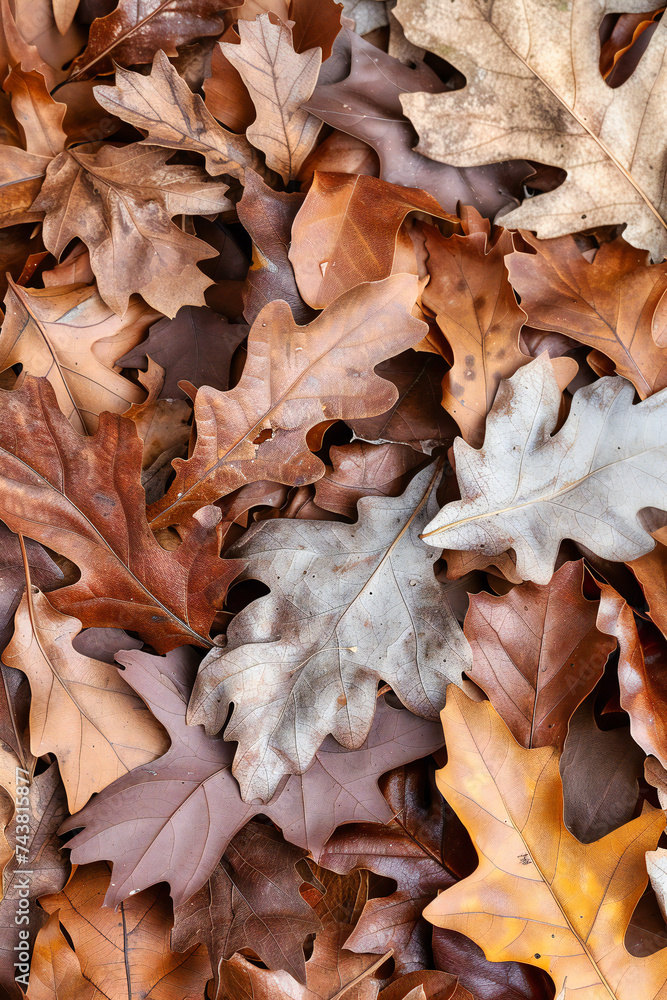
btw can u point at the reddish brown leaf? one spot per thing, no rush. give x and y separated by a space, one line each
361 470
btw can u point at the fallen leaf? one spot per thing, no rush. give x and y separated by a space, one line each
76 496
426 986
251 900
257 431
81 709
316 24
39 117
519 903
55 970
70 336
226 95
362 470
366 595
347 231
486 980
527 490
534 89
127 950
607 304
120 200
537 653
280 80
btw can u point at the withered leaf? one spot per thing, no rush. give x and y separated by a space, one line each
70 336
350 605
55 970
79 497
316 24
195 346
81 709
280 81
527 489
360 470
294 378
120 200
537 653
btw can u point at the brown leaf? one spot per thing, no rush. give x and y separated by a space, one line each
267 216
81 709
359 92
227 97
16 51
71 337
251 900
39 117
340 152
126 951
120 201
361 470
486 980
537 653
163 105
137 29
599 769
55 970
257 431
607 304
426 986
347 231
79 497
280 80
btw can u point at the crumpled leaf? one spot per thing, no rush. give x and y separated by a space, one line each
608 303
348 230
81 709
136 29
120 200
350 605
537 653
173 820
280 81
363 98
163 105
196 346
294 378
126 951
599 769
77 496
527 490
70 336
525 900
534 89
252 900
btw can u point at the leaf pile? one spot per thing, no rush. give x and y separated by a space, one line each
333 500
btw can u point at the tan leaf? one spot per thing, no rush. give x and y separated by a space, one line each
534 89
40 117
55 971
279 80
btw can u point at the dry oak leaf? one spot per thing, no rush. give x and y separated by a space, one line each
252 900
227 96
361 470
537 653
120 201
350 605
196 346
136 29
280 81
534 89
538 895
316 24
359 91
173 820
125 952
163 105
71 337
294 378
81 709
527 490
426 985
348 230
607 304
55 970
83 498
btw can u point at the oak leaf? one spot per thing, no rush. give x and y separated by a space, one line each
537 653
226 95
486 980
534 89
136 29
70 336
426 985
79 497
280 81
527 488
316 24
348 230
361 470
294 378
81 709
126 951
607 304
55 970
350 605
524 901
120 200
